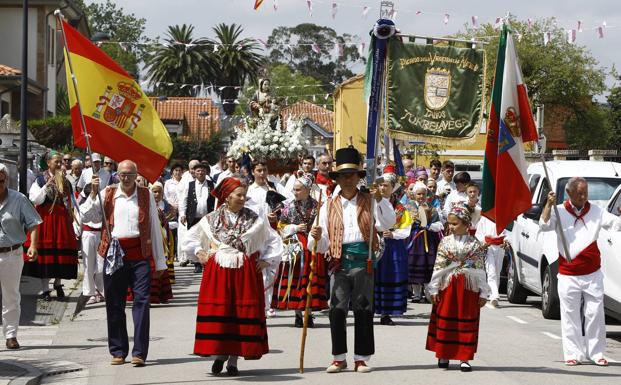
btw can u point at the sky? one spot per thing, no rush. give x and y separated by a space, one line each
204 14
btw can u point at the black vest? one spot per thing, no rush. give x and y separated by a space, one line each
192 203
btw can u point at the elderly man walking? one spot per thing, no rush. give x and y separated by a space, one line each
581 279
134 237
16 214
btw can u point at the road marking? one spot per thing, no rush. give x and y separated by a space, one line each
551 335
516 319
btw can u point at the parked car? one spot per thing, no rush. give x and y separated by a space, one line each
609 243
534 261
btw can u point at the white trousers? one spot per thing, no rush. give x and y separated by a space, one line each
181 232
93 264
493 266
571 289
269 277
11 264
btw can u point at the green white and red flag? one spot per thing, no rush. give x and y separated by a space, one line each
505 192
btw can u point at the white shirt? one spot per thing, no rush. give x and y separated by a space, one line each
442 184
202 193
384 214
126 220
87 176
171 191
258 193
223 175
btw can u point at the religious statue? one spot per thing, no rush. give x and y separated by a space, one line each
263 105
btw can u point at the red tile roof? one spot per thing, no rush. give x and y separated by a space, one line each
304 109
188 110
9 71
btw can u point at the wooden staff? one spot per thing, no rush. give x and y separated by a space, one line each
309 295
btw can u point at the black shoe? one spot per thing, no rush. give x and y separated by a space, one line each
60 294
183 264
198 268
232 371
45 296
465 367
311 321
443 364
386 320
217 366
299 321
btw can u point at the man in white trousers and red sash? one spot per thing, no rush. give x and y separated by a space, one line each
581 278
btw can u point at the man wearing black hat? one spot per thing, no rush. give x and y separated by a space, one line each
344 231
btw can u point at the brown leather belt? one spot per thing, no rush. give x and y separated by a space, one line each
10 248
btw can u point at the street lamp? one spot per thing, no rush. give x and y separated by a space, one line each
416 143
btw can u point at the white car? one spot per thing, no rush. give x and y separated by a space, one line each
609 243
534 264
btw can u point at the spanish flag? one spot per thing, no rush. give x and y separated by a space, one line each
120 121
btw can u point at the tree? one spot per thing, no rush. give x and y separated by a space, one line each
289 87
558 73
614 101
53 132
181 60
297 47
206 150
128 45
589 128
236 60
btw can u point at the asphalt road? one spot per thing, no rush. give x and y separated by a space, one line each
516 346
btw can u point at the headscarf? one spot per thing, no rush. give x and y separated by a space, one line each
306 180
47 156
157 184
390 177
420 171
419 185
225 188
461 211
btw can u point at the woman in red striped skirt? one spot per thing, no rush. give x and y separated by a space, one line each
52 195
231 243
294 224
458 290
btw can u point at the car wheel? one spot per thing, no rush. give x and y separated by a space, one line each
516 293
550 306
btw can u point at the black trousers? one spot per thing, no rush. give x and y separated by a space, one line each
137 275
355 285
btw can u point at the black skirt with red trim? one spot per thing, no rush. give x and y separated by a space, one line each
230 317
57 245
454 324
296 300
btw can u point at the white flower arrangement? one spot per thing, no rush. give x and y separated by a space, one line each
263 142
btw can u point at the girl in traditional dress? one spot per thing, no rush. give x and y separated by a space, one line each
58 247
296 219
230 242
458 290
161 289
391 274
423 241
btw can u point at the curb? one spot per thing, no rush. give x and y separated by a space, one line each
32 376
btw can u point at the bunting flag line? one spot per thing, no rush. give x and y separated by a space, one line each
120 120
309 4
335 8
505 193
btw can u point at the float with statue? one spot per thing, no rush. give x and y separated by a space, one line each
266 135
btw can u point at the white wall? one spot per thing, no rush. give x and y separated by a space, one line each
11 39
51 67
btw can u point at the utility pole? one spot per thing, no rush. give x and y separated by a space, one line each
23 112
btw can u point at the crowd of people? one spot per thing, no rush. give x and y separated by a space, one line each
318 238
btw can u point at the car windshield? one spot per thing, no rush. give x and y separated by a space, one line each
600 189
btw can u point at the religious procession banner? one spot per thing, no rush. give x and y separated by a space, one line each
434 91
120 121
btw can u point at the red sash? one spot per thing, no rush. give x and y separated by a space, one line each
586 262
321 179
494 240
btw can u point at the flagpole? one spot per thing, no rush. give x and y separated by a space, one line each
59 17
559 228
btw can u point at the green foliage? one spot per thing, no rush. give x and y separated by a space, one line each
559 73
236 60
292 46
172 62
282 75
54 132
62 100
207 150
122 27
589 129
614 101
